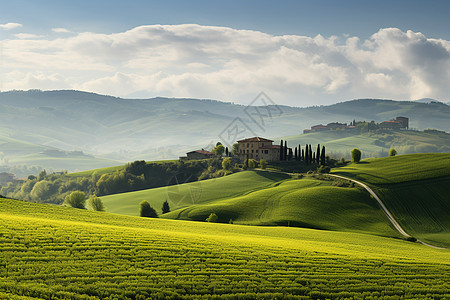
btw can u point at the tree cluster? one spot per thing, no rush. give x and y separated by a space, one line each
305 154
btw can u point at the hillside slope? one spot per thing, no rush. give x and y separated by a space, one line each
55 252
183 195
263 198
415 189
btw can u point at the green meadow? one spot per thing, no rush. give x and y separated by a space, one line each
415 188
53 252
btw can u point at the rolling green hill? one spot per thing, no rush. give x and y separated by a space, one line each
263 198
415 188
183 195
55 252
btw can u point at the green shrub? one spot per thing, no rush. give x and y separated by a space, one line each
76 199
147 211
213 218
356 155
96 203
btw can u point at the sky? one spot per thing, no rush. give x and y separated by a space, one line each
300 53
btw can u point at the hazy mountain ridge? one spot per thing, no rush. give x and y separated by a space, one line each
160 127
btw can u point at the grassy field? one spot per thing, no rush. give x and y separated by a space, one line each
187 194
63 253
263 198
415 188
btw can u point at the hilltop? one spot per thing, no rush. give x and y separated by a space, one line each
165 128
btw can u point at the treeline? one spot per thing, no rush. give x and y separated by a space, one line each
305 154
138 175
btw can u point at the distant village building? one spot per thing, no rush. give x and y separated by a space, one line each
199 154
257 148
397 123
6 178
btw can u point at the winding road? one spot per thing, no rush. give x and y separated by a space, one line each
386 211
383 207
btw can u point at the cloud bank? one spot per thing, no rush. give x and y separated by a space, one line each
233 65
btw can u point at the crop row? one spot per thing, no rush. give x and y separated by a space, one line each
82 261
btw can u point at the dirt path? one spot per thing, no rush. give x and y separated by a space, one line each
383 207
385 210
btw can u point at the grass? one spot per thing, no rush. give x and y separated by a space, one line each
183 195
309 203
60 253
415 188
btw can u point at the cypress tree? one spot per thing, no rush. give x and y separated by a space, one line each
281 150
307 154
318 153
290 153
226 151
310 154
295 154
285 150
303 154
322 156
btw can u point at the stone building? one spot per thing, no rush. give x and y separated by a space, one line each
257 148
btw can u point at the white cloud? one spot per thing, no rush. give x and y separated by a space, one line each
60 30
9 26
24 36
224 63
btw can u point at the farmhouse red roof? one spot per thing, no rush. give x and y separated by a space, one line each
255 139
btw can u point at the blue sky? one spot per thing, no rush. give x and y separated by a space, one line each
334 62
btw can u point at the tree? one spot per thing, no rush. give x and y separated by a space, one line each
226 163
213 218
235 149
96 203
218 150
146 210
245 165
318 154
295 154
290 154
251 163
310 154
306 154
262 163
322 156
76 199
41 175
165 208
356 155
281 150
392 152
218 143
226 152
285 154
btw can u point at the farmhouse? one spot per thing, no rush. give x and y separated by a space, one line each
257 148
199 154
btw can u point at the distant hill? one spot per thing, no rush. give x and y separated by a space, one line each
165 128
339 143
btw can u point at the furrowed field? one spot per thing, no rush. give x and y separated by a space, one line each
53 252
